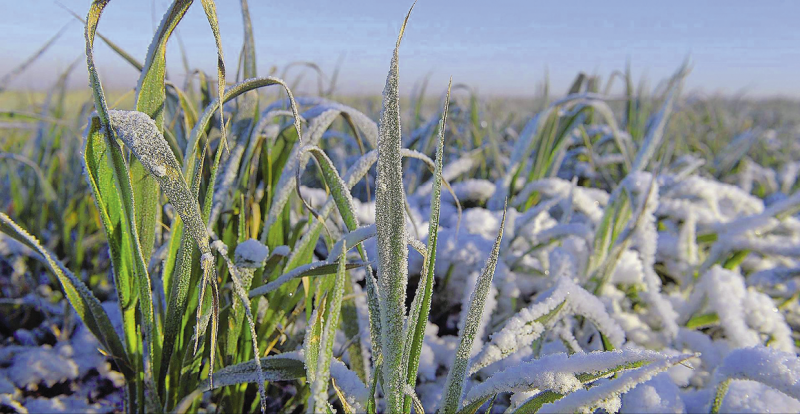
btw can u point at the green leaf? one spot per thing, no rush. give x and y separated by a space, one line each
392 248
533 404
454 388
274 368
151 99
473 407
421 306
107 200
318 268
231 93
587 399
319 387
719 395
123 183
211 14
80 297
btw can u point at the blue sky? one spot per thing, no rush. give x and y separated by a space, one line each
500 47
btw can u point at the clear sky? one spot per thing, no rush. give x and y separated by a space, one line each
497 46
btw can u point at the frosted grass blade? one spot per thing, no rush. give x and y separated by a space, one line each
454 388
151 99
210 9
80 297
421 307
319 388
283 367
123 184
392 249
231 93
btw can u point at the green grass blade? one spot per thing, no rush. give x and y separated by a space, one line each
587 399
123 184
274 368
319 388
392 248
231 93
319 268
340 192
532 405
107 200
421 307
80 297
454 388
177 273
719 396
249 47
473 407
655 134
211 14
151 99
141 135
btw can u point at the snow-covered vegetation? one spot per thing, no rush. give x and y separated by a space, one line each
635 253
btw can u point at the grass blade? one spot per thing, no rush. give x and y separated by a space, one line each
123 183
151 99
282 367
421 307
211 14
80 297
319 388
392 248
454 387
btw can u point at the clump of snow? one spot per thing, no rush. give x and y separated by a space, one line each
657 396
42 365
779 370
756 398
250 254
62 404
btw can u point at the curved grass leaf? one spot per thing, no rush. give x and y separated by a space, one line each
123 184
586 399
211 14
232 92
768 366
151 100
319 268
80 297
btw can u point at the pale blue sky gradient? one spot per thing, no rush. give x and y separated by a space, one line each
500 47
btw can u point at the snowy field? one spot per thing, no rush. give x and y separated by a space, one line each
633 252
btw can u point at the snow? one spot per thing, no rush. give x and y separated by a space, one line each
42 365
250 253
756 398
658 395
779 370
